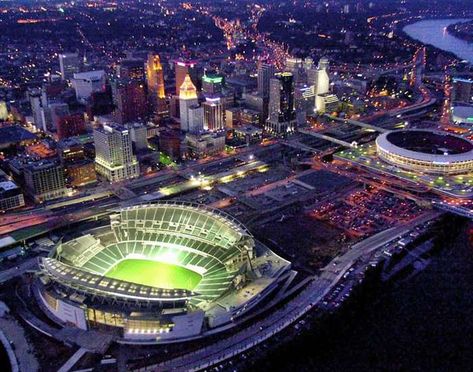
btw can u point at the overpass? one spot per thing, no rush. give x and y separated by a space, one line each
357 123
327 138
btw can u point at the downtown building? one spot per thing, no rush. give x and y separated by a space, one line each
282 114
155 83
69 64
187 99
114 157
44 180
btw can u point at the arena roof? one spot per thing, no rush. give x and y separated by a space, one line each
427 145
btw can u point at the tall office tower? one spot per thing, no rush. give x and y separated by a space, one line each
265 74
462 90
182 69
86 83
304 100
212 85
69 64
196 119
139 137
39 105
3 110
44 180
282 116
129 97
213 115
322 86
155 82
323 80
187 98
71 126
133 69
114 158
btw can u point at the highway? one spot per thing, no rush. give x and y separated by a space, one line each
288 314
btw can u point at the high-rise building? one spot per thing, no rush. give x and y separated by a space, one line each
196 119
323 80
3 110
86 83
304 100
70 126
322 86
129 97
212 85
44 180
139 137
69 64
133 68
213 115
187 98
184 68
39 104
114 158
282 115
155 82
265 74
462 90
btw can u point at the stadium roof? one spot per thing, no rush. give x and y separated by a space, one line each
101 285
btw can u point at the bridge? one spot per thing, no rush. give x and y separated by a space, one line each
357 123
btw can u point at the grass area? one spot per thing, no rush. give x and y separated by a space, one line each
155 274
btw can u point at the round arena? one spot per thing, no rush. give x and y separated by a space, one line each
158 273
426 151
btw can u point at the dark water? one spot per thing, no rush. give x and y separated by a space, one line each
434 32
422 324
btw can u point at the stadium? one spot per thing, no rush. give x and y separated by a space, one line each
159 273
426 151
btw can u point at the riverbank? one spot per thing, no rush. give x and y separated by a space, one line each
433 32
423 323
462 31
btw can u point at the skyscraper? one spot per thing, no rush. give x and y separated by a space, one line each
182 69
212 85
133 68
129 97
265 73
155 82
323 80
187 98
213 114
69 64
282 116
114 158
322 86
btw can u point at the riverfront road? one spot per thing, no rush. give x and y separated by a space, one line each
285 316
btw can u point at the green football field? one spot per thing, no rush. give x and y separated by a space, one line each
156 274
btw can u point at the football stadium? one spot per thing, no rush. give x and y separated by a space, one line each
159 273
426 151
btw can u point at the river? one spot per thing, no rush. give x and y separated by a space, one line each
434 32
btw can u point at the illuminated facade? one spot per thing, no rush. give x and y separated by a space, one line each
187 99
213 114
76 284
426 151
114 158
282 114
155 81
